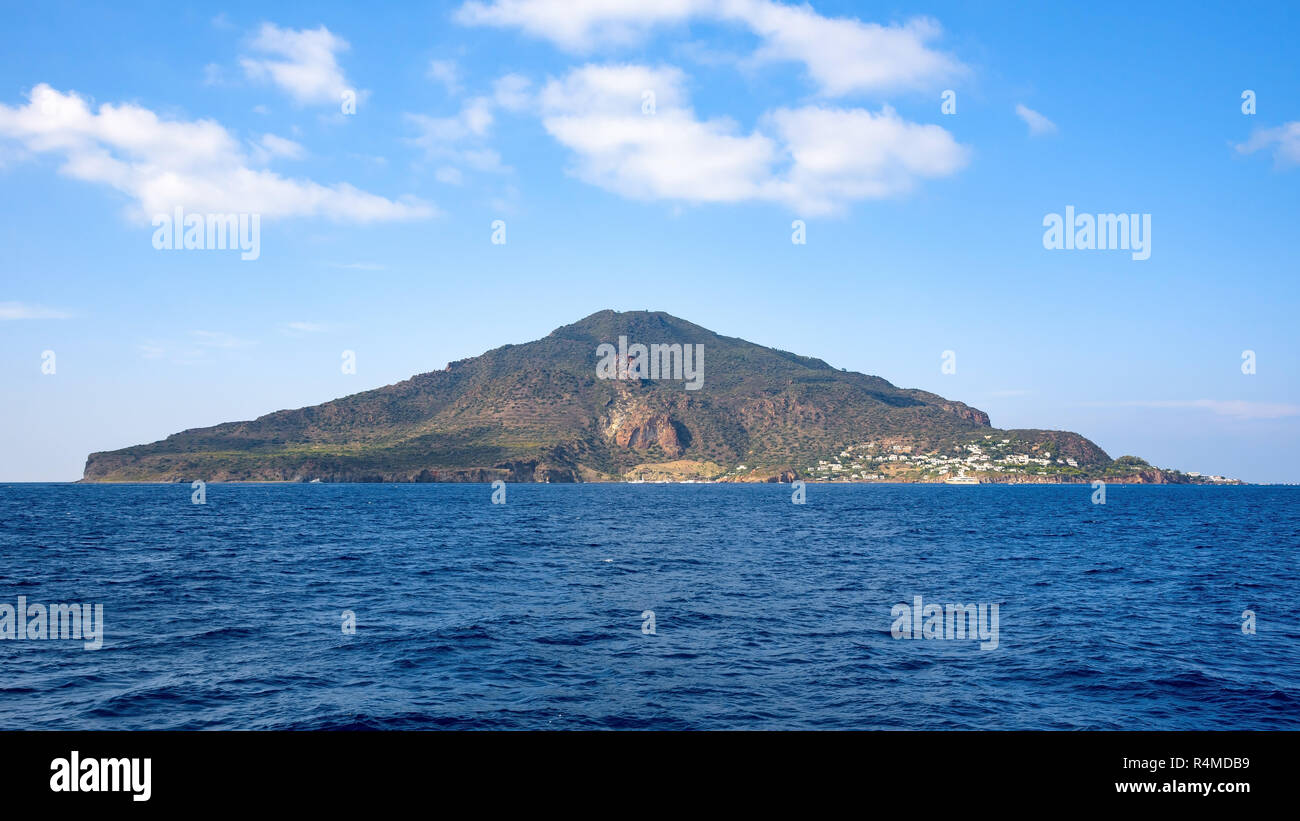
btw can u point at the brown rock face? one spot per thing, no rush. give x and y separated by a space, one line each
640 432
631 423
966 412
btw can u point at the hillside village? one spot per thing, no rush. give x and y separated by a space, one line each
995 459
998 459
872 461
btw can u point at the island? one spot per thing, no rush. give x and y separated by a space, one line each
555 410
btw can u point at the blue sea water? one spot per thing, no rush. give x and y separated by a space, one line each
768 615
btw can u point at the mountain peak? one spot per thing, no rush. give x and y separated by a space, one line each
609 323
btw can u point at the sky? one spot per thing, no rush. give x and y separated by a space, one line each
653 155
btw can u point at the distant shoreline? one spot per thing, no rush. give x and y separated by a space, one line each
1234 483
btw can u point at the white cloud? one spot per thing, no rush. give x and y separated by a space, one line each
449 174
197 165
841 55
844 155
580 25
213 75
447 73
844 56
302 63
511 92
270 147
813 159
474 119
506 201
301 328
1235 408
596 111
220 339
1283 139
22 310
459 139
1038 124
198 349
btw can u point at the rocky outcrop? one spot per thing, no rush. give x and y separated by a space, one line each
632 424
963 411
645 432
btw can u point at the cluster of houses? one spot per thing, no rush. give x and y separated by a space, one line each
880 461
865 461
1210 477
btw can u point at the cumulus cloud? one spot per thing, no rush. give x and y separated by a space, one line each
1038 124
813 159
845 155
596 111
844 56
302 63
198 165
460 139
1283 140
841 55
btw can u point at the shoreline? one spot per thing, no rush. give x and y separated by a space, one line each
1113 481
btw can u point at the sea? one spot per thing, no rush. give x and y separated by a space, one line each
652 606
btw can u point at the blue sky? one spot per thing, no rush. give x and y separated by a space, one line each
924 229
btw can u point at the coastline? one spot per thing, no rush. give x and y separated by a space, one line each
1123 480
